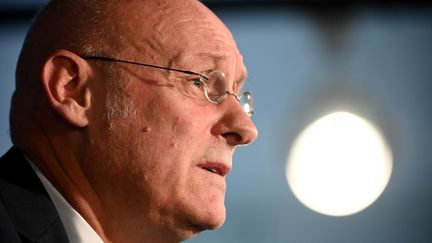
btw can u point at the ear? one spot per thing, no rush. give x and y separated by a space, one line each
65 81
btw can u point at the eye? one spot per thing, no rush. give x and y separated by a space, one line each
198 83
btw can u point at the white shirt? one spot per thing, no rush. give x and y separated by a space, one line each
77 229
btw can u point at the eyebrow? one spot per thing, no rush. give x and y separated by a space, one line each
214 57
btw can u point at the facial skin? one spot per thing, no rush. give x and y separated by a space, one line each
144 176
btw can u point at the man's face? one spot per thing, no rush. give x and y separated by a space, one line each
167 162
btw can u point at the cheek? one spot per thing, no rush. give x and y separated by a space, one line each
179 125
173 134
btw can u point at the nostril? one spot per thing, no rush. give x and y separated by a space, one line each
233 138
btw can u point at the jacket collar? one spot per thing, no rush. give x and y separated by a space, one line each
29 206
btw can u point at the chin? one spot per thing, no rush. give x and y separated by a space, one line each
212 220
197 228
204 212
198 222
217 221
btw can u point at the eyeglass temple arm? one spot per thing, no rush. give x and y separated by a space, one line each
143 64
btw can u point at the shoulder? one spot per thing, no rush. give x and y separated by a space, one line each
8 232
27 213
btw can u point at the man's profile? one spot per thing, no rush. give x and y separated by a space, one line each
124 122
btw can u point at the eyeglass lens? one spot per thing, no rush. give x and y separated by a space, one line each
217 89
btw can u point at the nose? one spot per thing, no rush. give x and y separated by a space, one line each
235 125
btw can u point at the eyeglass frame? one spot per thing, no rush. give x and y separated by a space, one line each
246 93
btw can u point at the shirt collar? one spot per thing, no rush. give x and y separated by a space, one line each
77 228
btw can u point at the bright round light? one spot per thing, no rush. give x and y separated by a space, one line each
339 165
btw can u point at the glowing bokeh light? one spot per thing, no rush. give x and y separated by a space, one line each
339 165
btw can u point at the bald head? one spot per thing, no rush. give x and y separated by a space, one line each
89 27
156 31
161 32
76 25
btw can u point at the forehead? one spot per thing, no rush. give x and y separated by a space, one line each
183 34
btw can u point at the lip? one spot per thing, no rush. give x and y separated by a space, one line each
217 168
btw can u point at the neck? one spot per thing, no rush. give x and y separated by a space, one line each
63 160
58 159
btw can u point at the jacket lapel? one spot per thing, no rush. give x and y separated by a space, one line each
27 202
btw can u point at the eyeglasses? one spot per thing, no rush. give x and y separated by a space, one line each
214 84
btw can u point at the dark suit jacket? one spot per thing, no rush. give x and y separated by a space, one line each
27 213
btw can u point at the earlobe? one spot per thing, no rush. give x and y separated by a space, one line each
65 82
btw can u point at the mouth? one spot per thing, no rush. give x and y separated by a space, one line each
216 168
